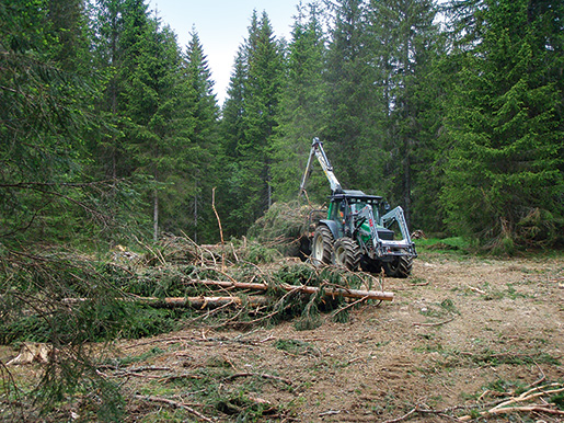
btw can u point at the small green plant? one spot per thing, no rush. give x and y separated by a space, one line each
448 305
440 310
128 360
558 400
510 293
296 347
492 358
444 245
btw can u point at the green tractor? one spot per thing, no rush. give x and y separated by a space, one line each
360 232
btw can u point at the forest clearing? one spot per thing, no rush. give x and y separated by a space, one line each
464 339
151 237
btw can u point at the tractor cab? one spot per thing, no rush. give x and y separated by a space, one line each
347 209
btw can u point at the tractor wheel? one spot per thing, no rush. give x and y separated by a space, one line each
400 267
321 246
346 254
370 266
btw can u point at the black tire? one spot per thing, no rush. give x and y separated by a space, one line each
370 266
400 267
346 254
322 246
305 248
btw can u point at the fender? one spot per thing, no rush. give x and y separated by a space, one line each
332 225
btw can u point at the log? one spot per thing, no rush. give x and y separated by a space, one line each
188 302
201 302
330 292
343 292
255 301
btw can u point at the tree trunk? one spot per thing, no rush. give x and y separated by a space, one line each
330 292
196 211
407 183
155 215
188 302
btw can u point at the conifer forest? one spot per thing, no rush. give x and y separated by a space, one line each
113 144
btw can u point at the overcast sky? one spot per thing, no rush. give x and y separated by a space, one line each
222 26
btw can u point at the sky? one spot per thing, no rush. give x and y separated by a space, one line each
222 26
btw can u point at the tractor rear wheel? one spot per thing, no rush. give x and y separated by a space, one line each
322 246
400 267
347 254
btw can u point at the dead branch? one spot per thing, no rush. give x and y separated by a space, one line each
262 375
505 407
433 324
343 292
349 306
526 409
478 290
175 404
220 230
530 394
419 409
405 416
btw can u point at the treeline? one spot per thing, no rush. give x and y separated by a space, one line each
109 129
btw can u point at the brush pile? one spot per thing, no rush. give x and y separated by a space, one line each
167 286
246 278
285 225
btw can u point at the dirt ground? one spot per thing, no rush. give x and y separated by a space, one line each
462 337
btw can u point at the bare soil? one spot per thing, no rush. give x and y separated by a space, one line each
461 336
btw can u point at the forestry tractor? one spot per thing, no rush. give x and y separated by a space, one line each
354 235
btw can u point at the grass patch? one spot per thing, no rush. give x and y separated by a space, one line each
492 358
126 361
440 310
443 245
510 292
295 347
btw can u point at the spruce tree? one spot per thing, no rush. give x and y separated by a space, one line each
504 177
44 118
151 72
108 56
406 45
197 143
353 104
248 127
302 105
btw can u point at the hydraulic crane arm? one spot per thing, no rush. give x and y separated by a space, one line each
317 150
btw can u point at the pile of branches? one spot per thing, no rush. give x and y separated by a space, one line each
135 294
285 224
233 280
69 300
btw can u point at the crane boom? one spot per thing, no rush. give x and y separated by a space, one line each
317 150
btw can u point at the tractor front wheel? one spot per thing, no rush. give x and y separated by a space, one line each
347 254
322 246
400 267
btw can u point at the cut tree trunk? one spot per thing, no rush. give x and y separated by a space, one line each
328 291
202 302
188 302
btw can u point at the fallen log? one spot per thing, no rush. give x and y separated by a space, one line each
342 292
188 302
327 291
202 302
254 301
